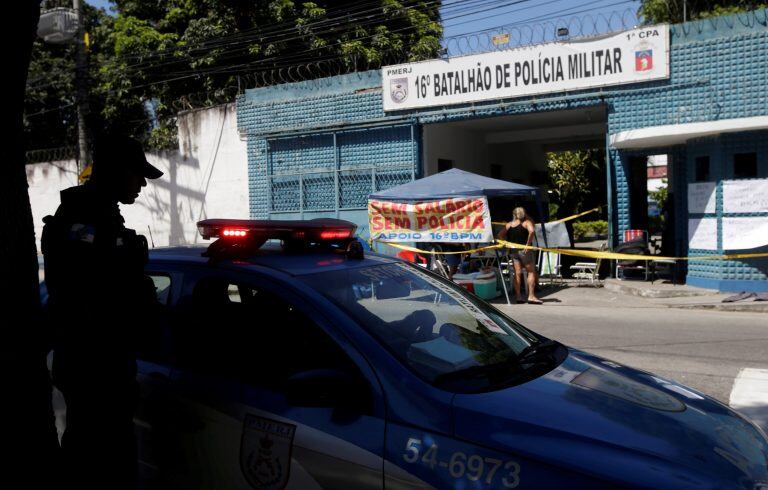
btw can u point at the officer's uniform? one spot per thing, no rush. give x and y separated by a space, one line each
99 297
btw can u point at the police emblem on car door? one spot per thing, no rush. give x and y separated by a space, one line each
265 452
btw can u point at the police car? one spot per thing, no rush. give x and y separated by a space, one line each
290 358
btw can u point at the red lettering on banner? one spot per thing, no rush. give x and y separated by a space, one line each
421 221
450 207
479 223
376 223
434 222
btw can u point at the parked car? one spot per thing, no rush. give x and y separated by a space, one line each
308 363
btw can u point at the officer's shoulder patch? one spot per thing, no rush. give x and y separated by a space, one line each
82 233
265 452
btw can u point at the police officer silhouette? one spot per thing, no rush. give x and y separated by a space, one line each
99 298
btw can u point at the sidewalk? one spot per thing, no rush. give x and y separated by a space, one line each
682 296
637 294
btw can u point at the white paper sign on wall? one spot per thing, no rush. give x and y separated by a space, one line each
702 234
744 233
745 196
702 197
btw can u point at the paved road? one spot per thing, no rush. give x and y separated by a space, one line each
706 350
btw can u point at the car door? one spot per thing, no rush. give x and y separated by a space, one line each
153 418
277 396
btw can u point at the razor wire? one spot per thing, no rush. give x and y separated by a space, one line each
51 154
545 29
556 29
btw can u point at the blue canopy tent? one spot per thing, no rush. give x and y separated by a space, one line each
459 183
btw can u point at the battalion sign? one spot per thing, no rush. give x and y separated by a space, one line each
455 220
637 55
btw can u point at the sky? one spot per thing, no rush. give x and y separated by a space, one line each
468 16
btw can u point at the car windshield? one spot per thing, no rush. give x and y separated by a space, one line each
433 326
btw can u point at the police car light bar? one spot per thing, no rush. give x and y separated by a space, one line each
309 231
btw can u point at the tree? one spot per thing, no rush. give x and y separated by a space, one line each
151 55
50 119
29 440
658 11
574 176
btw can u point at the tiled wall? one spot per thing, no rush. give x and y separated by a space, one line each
719 70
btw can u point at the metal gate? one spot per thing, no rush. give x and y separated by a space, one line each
331 174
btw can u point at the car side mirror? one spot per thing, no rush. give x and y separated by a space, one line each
326 388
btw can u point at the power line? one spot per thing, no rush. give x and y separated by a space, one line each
236 53
284 62
547 16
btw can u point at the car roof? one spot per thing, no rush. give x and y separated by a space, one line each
272 256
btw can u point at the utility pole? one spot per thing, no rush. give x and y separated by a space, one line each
81 76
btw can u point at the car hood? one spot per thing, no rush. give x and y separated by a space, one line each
619 425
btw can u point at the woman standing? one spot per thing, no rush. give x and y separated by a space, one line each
521 230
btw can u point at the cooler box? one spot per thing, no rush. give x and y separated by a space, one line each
482 284
485 285
465 280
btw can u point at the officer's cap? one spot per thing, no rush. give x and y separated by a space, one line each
112 151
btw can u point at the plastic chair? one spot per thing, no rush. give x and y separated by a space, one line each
549 267
588 270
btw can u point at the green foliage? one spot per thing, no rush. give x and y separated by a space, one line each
660 195
554 208
163 138
658 11
571 179
163 51
586 229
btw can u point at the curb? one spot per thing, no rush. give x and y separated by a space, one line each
681 292
747 307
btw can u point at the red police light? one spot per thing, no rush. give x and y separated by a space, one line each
335 234
309 231
234 233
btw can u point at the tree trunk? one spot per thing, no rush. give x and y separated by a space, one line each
28 445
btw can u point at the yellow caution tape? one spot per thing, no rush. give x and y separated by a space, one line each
575 252
430 252
569 218
563 220
594 254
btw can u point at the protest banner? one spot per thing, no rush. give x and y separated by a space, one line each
453 220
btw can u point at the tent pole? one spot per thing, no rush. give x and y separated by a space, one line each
542 218
501 274
543 221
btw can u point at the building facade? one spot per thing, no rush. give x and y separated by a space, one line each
318 148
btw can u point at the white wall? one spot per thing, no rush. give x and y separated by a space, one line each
471 151
466 148
518 160
45 180
206 178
